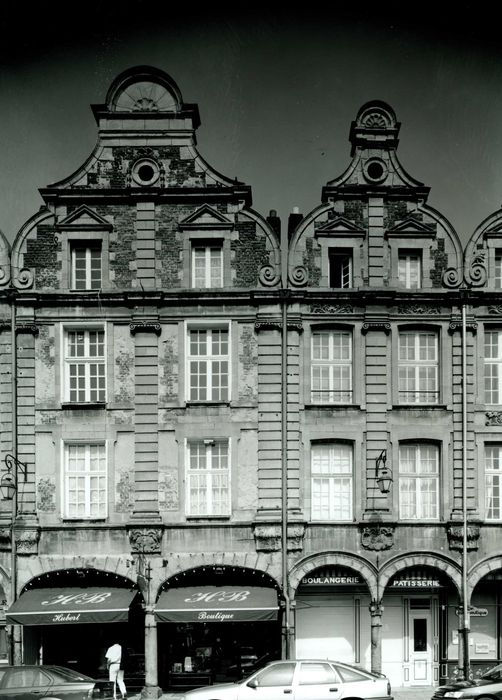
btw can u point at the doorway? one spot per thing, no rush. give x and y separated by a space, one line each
420 642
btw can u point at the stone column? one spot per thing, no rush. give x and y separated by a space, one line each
151 688
376 610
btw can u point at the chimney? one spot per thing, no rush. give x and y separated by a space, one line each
274 222
294 219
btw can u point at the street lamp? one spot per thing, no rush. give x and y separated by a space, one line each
384 476
9 478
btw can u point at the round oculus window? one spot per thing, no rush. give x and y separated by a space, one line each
375 170
145 172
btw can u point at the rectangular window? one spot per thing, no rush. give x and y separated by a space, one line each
86 266
419 482
340 268
84 358
493 366
497 278
493 481
208 478
410 269
208 362
332 477
207 265
331 369
418 367
85 481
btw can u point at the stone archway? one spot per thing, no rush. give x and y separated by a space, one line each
306 566
448 567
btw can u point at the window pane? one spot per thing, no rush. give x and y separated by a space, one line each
419 481
331 369
209 376
418 367
85 480
331 482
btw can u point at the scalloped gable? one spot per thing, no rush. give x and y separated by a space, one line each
84 218
206 218
339 225
412 227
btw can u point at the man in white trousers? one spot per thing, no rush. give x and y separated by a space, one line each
113 658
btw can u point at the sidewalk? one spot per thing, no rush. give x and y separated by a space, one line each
398 693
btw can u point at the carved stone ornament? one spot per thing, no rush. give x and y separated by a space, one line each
376 326
5 538
27 541
419 309
27 328
145 327
474 273
269 275
145 540
495 309
493 418
276 323
456 325
331 309
455 533
377 537
268 537
299 276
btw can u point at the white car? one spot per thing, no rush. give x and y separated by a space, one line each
305 679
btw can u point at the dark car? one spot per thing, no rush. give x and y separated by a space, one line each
488 686
52 683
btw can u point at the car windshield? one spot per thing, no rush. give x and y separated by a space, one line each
494 673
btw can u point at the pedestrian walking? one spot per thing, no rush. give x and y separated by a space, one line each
114 664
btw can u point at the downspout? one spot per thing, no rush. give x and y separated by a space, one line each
284 441
465 612
15 633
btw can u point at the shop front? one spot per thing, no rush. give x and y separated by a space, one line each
73 625
332 617
212 631
416 605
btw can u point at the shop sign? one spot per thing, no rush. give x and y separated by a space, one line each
473 611
415 583
331 580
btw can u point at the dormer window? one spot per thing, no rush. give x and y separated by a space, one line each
207 264
340 268
86 271
410 269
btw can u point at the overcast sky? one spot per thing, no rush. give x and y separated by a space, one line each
276 89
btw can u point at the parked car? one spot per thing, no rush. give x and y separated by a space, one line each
51 682
303 679
488 685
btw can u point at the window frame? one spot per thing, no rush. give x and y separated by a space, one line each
488 329
344 255
422 330
332 364
207 245
418 443
407 254
103 474
333 478
87 247
208 325
66 361
209 444
492 442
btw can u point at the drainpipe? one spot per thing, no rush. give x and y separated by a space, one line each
465 601
15 645
284 441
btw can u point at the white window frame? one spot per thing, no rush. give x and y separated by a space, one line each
211 473
411 482
346 274
335 487
415 370
329 370
492 367
86 475
86 361
208 247
87 247
493 481
410 268
214 392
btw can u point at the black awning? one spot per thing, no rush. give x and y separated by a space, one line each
66 606
217 604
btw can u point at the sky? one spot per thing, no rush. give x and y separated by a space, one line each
277 88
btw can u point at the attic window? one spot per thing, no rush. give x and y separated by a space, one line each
375 170
145 172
